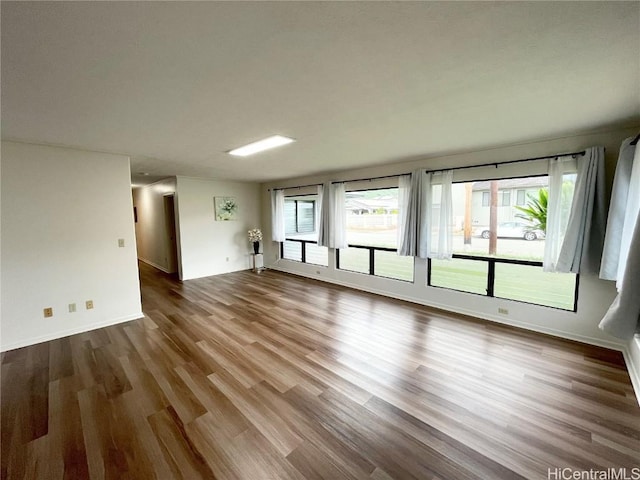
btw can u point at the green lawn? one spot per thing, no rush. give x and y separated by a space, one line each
515 282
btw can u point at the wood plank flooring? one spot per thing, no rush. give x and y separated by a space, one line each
245 376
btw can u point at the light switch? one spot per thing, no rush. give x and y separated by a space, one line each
121 242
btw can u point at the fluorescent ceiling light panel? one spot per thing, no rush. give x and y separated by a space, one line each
261 145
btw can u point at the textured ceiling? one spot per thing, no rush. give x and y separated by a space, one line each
175 85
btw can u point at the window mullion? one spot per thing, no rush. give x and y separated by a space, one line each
372 261
491 278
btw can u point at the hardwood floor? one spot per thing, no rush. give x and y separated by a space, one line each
273 376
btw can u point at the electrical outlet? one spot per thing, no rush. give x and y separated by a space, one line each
72 307
48 312
121 242
89 304
503 311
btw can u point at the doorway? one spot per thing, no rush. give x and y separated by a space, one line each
171 257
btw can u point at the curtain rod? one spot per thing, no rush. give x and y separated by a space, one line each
298 187
495 164
371 178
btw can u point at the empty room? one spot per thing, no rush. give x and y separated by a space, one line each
320 240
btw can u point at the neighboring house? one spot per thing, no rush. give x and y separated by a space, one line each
511 192
361 206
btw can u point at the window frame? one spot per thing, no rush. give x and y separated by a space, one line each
302 241
493 260
296 209
372 262
373 248
491 277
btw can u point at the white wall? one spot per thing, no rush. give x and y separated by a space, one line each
210 247
151 229
63 212
594 295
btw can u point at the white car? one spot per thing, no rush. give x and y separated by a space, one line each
512 230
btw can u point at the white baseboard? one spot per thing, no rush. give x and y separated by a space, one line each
613 345
155 265
71 331
632 359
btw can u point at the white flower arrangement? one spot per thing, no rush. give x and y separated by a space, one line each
255 235
228 208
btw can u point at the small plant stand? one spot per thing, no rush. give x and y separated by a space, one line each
257 261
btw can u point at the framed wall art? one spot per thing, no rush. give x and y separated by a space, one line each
226 208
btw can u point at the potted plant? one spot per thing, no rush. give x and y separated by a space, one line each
255 236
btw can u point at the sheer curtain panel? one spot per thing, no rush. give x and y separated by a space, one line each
583 241
440 215
558 210
332 230
623 195
622 319
338 220
409 215
630 219
621 258
323 222
277 215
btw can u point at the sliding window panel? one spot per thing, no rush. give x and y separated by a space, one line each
292 250
391 265
317 255
460 274
532 285
354 259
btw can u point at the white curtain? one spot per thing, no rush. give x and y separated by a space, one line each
621 257
558 209
622 319
426 225
332 229
582 246
625 197
338 221
413 231
410 201
323 216
277 215
630 219
426 217
441 239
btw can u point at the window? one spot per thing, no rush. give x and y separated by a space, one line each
299 216
505 262
372 234
300 245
